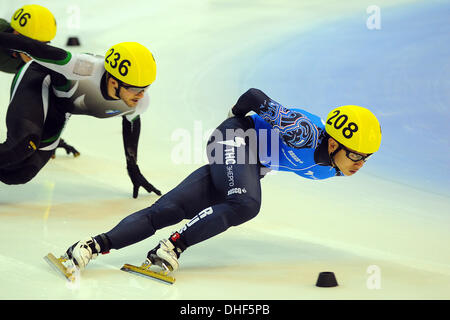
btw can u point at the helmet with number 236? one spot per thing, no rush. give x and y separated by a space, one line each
131 63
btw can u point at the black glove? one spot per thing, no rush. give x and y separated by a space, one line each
69 149
138 180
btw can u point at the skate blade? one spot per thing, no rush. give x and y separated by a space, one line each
147 273
56 264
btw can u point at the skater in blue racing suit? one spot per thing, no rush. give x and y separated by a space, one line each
227 191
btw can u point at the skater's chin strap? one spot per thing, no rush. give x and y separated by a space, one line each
338 171
321 155
104 89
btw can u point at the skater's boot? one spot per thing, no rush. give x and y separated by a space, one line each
83 251
166 253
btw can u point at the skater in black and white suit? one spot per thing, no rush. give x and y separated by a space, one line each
56 84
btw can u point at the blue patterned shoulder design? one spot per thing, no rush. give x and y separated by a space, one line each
296 130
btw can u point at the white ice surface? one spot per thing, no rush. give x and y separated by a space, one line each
208 53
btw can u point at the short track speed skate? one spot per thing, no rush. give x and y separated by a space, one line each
163 256
63 265
144 270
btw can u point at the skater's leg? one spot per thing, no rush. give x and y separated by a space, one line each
183 202
25 116
236 180
25 171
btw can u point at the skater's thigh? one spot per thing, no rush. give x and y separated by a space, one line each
29 100
195 193
232 153
241 179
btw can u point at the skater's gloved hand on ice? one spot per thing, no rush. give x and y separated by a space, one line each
139 180
68 148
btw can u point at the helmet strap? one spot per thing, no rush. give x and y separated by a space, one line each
118 90
339 148
119 85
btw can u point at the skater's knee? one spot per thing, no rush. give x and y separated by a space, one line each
20 176
166 214
28 174
157 216
245 208
13 180
13 151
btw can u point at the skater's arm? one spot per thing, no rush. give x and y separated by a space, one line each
71 66
34 48
296 130
8 62
251 100
130 132
131 129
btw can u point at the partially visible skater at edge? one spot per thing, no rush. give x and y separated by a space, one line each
41 27
226 192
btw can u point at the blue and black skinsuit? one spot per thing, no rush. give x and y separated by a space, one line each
227 191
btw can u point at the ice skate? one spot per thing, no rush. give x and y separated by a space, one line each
83 251
63 265
163 256
76 257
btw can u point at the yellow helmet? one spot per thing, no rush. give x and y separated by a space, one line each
35 22
354 127
131 63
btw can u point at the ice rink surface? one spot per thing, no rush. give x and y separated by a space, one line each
384 232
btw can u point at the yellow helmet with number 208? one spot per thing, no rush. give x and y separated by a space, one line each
35 22
131 63
354 127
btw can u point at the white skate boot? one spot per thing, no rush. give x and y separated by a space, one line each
75 258
164 255
83 251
